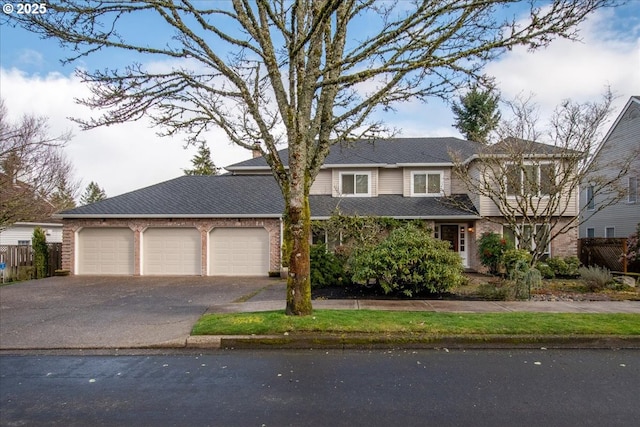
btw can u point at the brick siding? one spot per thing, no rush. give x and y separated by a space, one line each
564 245
138 226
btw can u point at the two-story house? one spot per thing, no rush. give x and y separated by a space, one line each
604 213
232 224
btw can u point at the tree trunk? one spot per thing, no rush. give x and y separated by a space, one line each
298 223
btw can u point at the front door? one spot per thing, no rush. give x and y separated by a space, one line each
456 235
450 234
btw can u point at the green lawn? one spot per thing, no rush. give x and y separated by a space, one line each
389 322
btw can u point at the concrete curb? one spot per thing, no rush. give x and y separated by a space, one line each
373 341
362 342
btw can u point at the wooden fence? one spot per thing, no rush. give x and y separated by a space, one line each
18 261
604 252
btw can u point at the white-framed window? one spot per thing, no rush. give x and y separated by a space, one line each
591 232
530 179
24 242
632 189
427 183
531 237
355 183
609 232
591 204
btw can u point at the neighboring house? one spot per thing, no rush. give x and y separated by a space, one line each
20 233
620 145
232 224
19 202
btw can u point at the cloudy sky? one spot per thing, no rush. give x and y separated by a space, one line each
130 156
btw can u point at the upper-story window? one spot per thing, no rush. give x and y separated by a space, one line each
530 179
426 183
632 189
355 184
591 203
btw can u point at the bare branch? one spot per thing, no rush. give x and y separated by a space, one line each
528 183
33 170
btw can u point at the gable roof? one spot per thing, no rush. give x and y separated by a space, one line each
633 100
253 196
382 152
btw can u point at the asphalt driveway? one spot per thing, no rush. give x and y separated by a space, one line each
114 312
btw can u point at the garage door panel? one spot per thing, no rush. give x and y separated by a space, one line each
172 251
105 251
239 251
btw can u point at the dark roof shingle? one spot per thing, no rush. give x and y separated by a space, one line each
225 195
385 151
251 196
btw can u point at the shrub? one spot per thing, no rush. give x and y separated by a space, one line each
532 280
40 252
573 264
23 273
326 268
517 262
513 257
633 251
567 267
495 292
595 278
408 261
492 247
557 265
545 270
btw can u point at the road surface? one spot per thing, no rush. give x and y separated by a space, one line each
324 388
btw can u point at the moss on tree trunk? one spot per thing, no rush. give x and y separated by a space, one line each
298 222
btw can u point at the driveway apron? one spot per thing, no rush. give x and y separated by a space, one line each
112 312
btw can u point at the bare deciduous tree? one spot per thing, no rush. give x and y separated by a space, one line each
306 73
533 188
34 173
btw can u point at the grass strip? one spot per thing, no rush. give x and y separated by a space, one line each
408 322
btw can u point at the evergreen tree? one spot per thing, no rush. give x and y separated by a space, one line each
202 163
64 196
477 114
92 194
40 252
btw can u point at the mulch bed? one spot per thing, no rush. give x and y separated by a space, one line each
364 292
374 292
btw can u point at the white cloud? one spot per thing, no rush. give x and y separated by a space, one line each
574 70
119 158
608 55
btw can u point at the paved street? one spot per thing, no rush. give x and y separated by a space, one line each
324 388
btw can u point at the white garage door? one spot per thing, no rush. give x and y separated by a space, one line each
239 251
171 251
105 251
